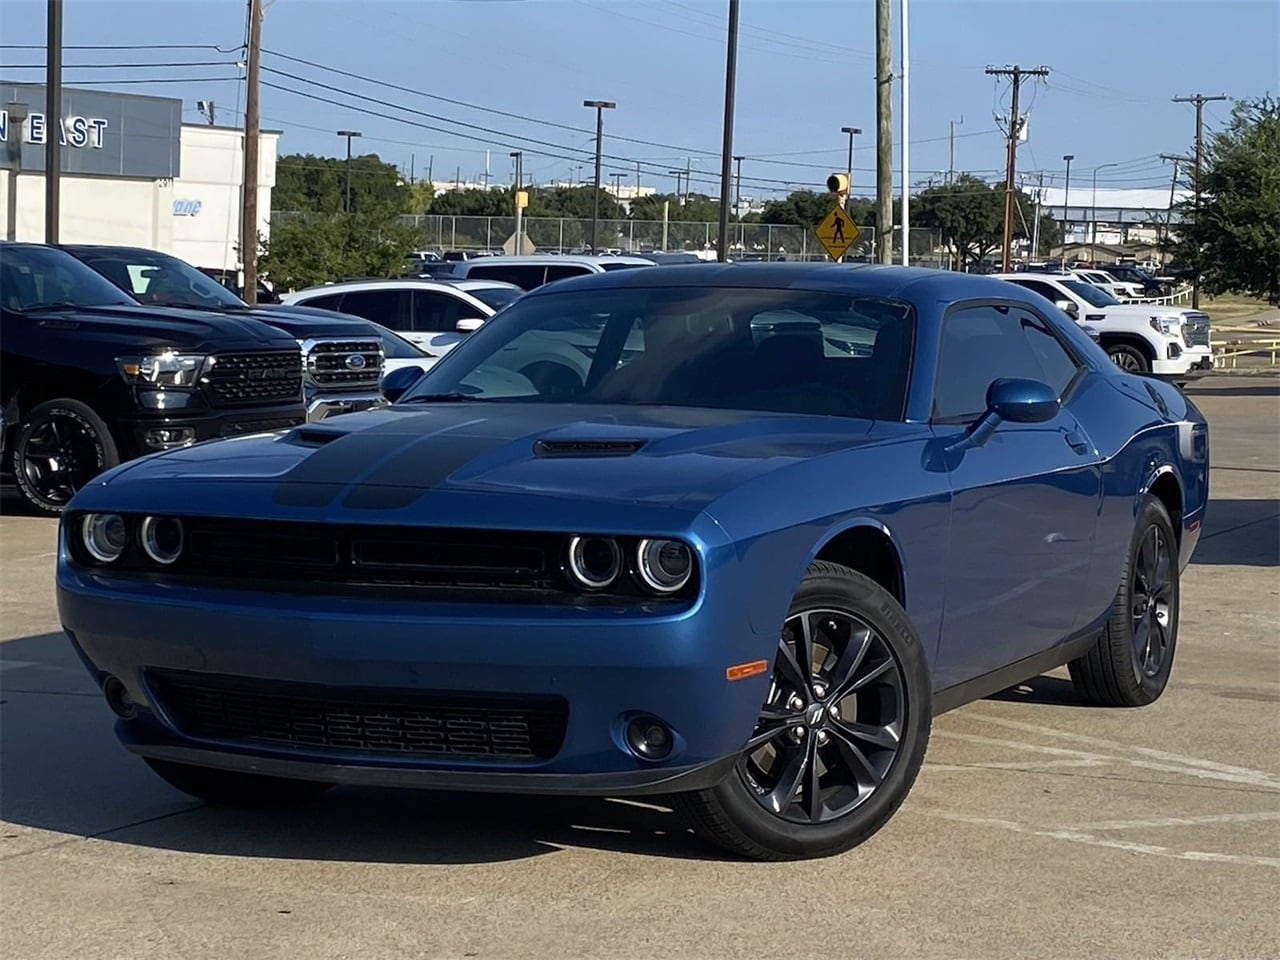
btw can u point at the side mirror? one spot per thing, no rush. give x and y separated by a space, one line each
1012 399
1069 308
396 383
469 326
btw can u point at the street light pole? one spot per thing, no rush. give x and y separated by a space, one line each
600 107
1093 214
852 132
617 184
349 134
737 202
53 117
1066 207
726 149
518 156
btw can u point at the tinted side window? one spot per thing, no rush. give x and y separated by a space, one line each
982 344
563 271
328 302
435 312
1058 365
1046 291
524 276
387 307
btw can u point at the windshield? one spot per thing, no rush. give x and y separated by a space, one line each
397 347
161 279
32 277
496 297
788 351
1095 296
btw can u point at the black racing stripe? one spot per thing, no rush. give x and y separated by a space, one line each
417 469
308 494
347 459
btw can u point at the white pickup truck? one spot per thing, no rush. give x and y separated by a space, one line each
1141 338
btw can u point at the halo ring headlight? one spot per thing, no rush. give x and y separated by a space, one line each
665 566
163 539
104 535
595 562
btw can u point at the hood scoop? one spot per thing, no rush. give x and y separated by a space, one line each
587 448
312 437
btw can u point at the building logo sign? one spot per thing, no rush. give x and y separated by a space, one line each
72 131
186 208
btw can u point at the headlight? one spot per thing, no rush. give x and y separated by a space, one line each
664 565
1170 328
595 562
162 539
167 369
104 536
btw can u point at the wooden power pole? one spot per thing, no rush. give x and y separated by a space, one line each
1017 75
1199 100
249 179
884 132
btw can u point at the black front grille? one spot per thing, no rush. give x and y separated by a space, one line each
382 722
238 379
1197 328
345 363
241 427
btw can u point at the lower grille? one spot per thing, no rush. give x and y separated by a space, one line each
244 378
241 427
345 364
299 715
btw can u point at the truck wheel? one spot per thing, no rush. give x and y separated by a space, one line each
62 445
1128 359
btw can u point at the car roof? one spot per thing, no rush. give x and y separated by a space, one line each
874 280
386 283
538 259
476 283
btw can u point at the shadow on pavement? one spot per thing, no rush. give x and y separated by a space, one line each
62 770
1243 532
1235 390
1043 691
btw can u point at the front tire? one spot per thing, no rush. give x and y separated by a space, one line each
1129 359
234 789
1130 664
842 732
61 446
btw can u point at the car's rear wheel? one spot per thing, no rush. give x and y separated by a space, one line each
1127 358
1130 664
232 788
61 446
841 734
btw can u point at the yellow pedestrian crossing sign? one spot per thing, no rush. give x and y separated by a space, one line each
837 233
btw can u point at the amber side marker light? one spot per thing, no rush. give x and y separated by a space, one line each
744 670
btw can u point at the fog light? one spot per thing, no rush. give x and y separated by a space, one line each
166 438
162 539
118 699
649 738
1175 351
595 562
104 536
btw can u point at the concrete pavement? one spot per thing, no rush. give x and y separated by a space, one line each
1038 827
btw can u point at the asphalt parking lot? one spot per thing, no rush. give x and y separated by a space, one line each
1038 827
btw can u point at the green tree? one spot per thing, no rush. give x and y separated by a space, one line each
308 249
1234 238
968 214
311 184
420 195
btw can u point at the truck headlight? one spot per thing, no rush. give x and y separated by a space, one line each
166 369
1170 328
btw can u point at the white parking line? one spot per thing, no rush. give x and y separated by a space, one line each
1155 822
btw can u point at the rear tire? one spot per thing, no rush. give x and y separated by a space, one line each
1130 664
61 446
235 789
842 732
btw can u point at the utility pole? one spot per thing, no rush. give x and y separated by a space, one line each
1066 208
1035 226
617 184
737 201
726 148
1018 74
637 179
1199 100
677 174
600 106
906 134
249 211
518 156
1173 187
884 132
688 179
53 121
951 163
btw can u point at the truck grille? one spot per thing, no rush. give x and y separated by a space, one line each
1195 328
345 364
371 721
239 379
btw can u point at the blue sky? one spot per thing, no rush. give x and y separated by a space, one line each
806 69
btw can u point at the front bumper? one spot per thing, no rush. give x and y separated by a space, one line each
607 665
150 432
322 406
1189 362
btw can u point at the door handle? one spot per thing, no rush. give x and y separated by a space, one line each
1076 440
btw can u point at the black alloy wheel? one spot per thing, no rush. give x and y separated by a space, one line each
841 733
1151 602
61 446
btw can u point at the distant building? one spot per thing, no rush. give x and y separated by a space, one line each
1111 216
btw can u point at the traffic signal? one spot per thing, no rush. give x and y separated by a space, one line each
838 185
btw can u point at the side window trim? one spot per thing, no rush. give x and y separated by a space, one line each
1081 367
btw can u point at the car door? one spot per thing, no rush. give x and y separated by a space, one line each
390 308
1024 505
435 319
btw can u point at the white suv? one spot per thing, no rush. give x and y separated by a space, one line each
435 314
1140 338
529 273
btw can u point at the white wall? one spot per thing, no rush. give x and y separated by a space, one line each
195 217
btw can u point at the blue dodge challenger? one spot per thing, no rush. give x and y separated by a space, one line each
732 534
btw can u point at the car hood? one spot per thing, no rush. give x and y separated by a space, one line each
153 326
312 322
486 464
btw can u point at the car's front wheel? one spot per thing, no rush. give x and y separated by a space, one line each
841 734
235 789
1130 664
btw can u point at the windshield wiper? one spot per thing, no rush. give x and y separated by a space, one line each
447 398
68 305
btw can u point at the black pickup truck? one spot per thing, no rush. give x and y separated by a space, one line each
343 354
90 378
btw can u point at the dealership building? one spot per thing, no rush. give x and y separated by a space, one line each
132 173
